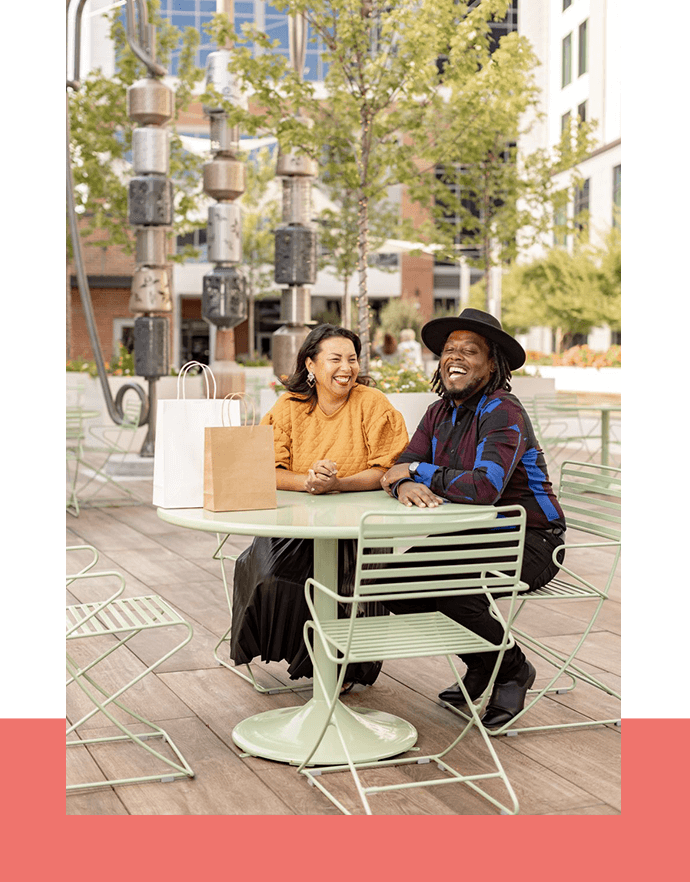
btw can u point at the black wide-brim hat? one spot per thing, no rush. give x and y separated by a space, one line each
435 333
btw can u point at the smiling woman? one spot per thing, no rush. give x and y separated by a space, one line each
332 433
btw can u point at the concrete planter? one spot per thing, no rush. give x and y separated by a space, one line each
91 396
580 379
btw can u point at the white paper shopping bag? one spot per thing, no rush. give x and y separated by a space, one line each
178 464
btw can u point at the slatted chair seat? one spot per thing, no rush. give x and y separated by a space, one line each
120 618
416 634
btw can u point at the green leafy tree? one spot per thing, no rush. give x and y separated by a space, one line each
101 136
568 292
382 98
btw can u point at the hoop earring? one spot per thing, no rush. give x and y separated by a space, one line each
311 379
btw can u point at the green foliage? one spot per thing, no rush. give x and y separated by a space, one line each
391 378
384 121
123 366
578 356
398 314
569 292
101 136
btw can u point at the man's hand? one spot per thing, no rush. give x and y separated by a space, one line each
410 493
395 473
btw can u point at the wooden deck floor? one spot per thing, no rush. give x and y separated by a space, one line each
199 702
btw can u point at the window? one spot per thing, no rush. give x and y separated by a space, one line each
565 122
582 49
197 240
581 208
582 111
560 218
616 196
566 61
566 4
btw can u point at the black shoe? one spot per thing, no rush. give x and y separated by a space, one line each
508 699
475 681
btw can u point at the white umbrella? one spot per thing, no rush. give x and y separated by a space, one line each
202 146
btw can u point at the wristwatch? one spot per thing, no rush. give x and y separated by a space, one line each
412 468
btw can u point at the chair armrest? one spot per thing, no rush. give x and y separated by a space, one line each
89 565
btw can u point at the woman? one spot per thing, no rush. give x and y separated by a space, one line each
333 433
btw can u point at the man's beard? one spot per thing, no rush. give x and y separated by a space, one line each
464 394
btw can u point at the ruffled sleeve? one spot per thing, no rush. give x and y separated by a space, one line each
386 434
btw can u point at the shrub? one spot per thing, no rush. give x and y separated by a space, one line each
578 356
391 377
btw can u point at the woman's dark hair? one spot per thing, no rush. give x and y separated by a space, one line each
390 347
499 379
297 381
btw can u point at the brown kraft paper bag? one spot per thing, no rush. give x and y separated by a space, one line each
239 468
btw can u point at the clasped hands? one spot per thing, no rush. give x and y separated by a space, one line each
409 492
322 477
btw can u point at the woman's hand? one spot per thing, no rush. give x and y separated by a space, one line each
322 477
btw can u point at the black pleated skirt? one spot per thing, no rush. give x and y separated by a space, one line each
269 609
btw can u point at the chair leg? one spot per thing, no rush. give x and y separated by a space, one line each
80 675
315 774
99 473
178 769
565 666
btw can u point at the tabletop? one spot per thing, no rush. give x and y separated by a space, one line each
298 515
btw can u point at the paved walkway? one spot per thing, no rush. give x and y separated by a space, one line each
199 702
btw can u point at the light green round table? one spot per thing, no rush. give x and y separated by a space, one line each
605 410
287 734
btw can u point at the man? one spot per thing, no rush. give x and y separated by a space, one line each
476 445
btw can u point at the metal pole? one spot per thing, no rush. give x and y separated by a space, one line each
114 407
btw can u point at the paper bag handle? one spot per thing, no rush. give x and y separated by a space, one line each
241 397
205 370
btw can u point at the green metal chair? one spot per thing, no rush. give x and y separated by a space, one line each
75 435
590 496
113 622
560 432
413 555
249 677
111 441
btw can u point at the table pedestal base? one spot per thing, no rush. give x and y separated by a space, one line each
287 734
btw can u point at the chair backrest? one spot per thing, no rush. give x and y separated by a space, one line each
453 551
590 496
74 425
131 412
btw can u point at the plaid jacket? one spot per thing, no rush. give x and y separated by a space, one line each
484 451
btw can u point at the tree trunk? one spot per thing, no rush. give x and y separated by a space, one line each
362 300
346 311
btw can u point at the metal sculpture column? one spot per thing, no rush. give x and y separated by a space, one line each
224 299
295 237
150 105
